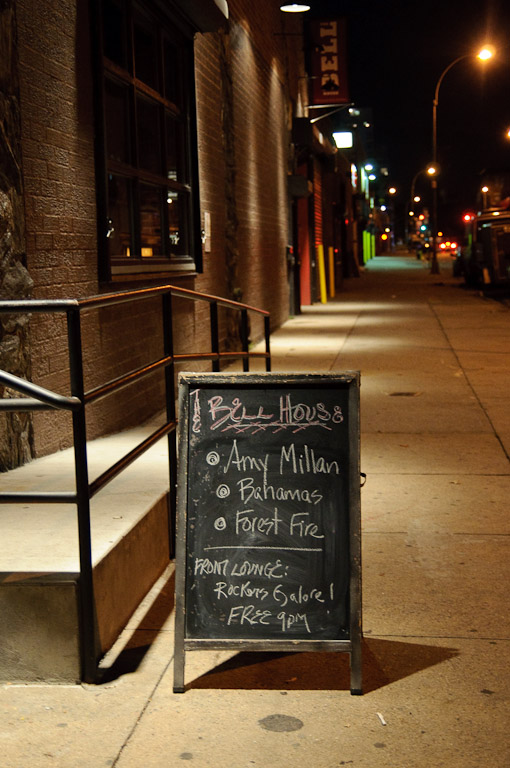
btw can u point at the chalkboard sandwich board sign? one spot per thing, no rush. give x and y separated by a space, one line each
268 515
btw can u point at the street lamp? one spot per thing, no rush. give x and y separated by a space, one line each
487 52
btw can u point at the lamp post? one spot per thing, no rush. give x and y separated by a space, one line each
484 54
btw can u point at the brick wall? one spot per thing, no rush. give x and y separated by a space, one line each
243 165
60 203
58 173
58 162
260 133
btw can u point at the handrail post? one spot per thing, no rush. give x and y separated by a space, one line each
245 338
215 340
168 350
89 646
267 333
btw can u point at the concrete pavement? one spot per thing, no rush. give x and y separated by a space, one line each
435 411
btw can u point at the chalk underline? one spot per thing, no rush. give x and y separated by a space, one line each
286 549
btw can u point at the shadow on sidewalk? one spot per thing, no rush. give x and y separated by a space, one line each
142 637
384 662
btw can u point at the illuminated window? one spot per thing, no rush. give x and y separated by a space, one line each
146 168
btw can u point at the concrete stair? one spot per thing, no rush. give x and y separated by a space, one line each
39 562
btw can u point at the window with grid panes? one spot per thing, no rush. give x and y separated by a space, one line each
149 222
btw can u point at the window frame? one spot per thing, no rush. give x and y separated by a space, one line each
169 31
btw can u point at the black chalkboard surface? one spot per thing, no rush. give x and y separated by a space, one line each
268 518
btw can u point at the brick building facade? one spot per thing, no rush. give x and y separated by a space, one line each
246 80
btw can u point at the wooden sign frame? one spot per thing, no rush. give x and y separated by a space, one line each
318 387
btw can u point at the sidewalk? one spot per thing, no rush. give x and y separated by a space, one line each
435 413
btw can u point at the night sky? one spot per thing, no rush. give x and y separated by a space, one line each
397 50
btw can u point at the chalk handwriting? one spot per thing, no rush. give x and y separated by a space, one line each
247 522
263 556
205 566
245 463
196 422
248 614
248 491
289 619
300 526
236 413
268 570
291 416
300 595
225 590
306 461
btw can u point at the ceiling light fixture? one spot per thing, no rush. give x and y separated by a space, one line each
294 7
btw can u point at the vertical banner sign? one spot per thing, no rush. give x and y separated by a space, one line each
268 515
328 63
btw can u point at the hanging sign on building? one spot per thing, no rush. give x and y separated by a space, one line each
328 63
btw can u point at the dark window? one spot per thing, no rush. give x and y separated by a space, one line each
116 105
150 219
174 165
120 227
151 209
177 214
148 116
171 70
146 51
114 31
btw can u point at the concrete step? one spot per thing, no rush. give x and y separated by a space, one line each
39 560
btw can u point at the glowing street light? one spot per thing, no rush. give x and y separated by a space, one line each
487 52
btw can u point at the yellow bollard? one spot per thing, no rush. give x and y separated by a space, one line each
322 273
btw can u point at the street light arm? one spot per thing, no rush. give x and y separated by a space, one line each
436 101
413 183
447 69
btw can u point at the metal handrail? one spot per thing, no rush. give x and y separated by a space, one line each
45 397
36 398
